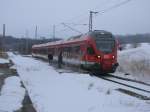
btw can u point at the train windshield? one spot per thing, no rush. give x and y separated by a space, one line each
105 42
105 45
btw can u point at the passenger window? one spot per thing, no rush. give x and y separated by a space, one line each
76 49
90 50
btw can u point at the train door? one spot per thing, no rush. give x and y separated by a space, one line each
60 58
90 53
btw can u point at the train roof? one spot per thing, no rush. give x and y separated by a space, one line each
70 40
75 38
99 32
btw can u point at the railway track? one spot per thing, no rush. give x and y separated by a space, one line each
130 80
125 82
111 78
119 80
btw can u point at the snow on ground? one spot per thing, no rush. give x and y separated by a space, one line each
2 61
72 92
12 95
136 61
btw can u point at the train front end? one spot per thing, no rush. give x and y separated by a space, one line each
104 54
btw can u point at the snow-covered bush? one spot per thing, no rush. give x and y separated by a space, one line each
135 66
135 61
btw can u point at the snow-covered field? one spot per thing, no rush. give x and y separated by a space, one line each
11 95
72 92
136 61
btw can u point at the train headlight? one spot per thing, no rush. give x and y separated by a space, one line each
98 56
113 57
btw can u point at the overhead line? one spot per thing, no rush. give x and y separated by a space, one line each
107 9
111 8
71 28
114 6
79 16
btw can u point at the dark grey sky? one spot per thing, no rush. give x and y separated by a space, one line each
21 15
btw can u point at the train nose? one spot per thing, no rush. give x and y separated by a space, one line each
108 63
109 67
115 66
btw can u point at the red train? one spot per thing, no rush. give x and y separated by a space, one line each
95 51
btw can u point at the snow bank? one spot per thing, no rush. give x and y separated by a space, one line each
2 61
136 61
72 92
12 95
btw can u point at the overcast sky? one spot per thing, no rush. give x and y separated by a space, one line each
21 15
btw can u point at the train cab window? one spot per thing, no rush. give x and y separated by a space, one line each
90 50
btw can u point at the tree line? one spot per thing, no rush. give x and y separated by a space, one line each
21 45
24 45
131 39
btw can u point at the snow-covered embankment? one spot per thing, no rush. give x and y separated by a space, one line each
12 95
136 61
